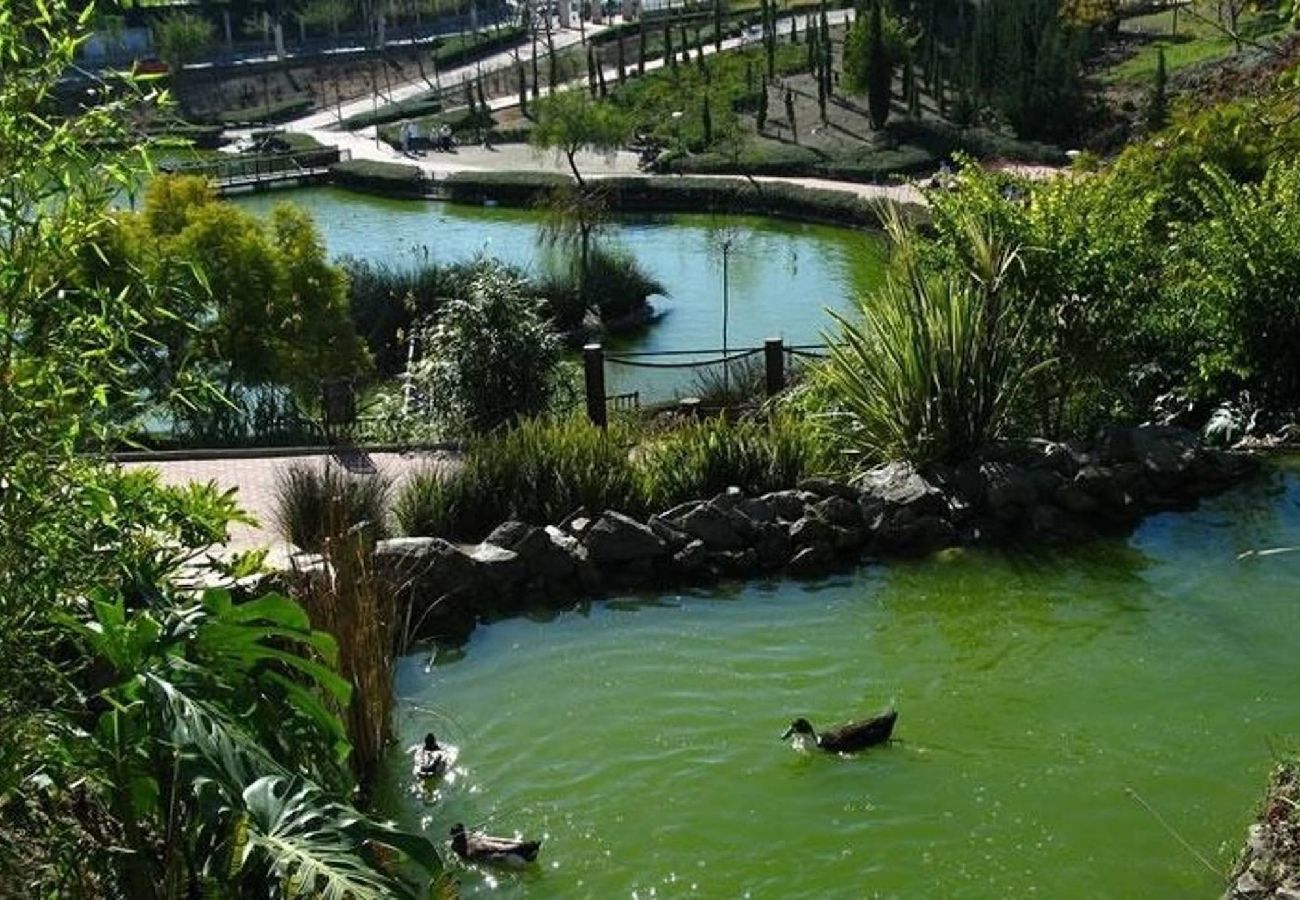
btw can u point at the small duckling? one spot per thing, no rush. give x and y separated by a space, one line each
849 737
430 760
477 847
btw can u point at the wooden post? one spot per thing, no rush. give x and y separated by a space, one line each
774 357
593 370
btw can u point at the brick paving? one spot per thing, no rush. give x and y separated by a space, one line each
254 478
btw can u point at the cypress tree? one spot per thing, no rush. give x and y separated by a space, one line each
706 120
482 102
762 106
469 95
669 56
591 70
794 30
686 44
523 89
813 55
717 26
622 71
537 81
600 79
789 114
640 50
879 71
770 36
1158 105
824 45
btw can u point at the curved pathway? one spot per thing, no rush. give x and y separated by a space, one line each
364 143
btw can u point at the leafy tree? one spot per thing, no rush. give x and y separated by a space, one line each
569 121
880 71
491 358
875 45
182 37
1158 104
154 742
265 306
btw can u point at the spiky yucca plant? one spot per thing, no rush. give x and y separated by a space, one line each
929 367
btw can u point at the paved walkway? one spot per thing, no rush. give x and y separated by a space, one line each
363 144
255 479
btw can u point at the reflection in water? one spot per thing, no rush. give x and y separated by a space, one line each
784 275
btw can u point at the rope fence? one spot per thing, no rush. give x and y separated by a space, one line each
751 379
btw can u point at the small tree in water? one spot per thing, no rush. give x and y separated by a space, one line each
491 358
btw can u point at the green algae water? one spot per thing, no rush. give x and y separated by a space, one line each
783 276
1041 695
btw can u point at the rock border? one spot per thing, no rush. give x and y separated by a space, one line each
1269 865
1039 491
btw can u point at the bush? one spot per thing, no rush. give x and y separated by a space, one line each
489 357
539 472
930 368
311 502
546 469
380 177
701 458
280 111
387 299
615 281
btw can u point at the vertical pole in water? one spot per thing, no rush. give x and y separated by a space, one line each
726 367
774 357
593 370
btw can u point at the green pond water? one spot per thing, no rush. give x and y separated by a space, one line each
639 737
783 276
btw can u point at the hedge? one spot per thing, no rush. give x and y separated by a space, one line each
675 194
373 176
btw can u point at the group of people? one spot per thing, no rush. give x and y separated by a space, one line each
412 138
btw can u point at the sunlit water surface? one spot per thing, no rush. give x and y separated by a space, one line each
783 276
1042 695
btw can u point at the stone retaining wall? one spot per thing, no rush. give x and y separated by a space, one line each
1040 491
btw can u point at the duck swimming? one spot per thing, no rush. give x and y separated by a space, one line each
477 847
849 737
430 760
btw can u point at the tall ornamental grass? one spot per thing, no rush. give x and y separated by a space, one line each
703 458
539 472
546 469
312 499
929 367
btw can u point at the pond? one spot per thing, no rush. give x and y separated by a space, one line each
1044 699
782 276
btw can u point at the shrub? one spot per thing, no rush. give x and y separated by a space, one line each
312 500
379 177
703 458
539 472
930 367
490 357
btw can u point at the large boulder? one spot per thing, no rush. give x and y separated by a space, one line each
812 531
502 569
615 538
715 526
550 554
828 487
839 511
510 533
789 505
899 486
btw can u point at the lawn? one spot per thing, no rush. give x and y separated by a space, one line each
1197 41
